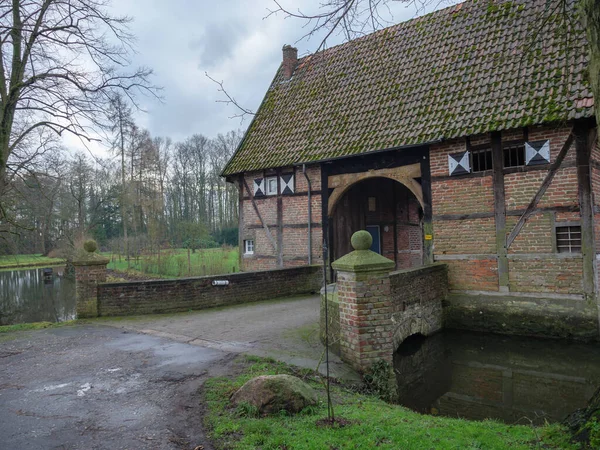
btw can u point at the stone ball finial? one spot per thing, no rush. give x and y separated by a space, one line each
361 240
90 246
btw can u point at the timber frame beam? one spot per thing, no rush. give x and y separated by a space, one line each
541 191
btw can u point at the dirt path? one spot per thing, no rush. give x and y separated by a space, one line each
287 330
102 388
133 382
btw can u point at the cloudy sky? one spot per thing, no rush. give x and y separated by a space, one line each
231 40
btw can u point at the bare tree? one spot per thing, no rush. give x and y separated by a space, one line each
352 18
122 122
60 63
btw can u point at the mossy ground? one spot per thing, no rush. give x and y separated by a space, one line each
370 422
34 326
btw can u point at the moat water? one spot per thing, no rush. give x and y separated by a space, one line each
486 376
30 296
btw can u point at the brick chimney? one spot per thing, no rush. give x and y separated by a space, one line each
290 59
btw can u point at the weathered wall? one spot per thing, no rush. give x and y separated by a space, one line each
416 296
465 224
88 271
164 296
571 318
286 217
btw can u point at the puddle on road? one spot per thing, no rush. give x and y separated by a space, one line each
512 379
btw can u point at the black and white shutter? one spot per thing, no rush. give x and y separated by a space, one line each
537 152
287 183
259 187
459 163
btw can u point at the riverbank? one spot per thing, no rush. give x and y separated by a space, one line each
364 421
10 262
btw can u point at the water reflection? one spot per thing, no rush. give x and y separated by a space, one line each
35 296
513 379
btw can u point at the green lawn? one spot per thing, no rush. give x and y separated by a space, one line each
372 423
174 262
12 261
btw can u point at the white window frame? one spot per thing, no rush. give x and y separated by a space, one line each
248 246
268 190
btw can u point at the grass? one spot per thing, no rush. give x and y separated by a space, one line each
174 263
10 332
13 261
373 423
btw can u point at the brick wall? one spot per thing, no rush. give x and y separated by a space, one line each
365 318
473 274
164 296
552 275
465 227
87 278
416 298
290 231
595 175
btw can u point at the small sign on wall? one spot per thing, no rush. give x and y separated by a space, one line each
259 188
537 152
287 183
459 163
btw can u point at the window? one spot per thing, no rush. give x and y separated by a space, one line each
272 186
514 154
249 247
568 239
481 159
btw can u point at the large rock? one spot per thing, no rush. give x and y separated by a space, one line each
274 393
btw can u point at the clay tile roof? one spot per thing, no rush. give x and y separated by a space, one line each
467 69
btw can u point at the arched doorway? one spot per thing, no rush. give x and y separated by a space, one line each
387 209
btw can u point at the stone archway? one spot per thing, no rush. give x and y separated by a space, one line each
405 175
384 203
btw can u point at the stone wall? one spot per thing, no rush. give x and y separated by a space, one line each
416 297
166 296
570 318
88 270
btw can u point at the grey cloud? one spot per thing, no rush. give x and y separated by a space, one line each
218 42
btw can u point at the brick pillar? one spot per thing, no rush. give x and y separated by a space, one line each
90 269
363 285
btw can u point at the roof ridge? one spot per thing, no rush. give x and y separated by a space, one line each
438 75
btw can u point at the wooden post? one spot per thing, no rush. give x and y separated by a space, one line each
395 231
500 211
427 210
325 216
583 148
279 222
241 222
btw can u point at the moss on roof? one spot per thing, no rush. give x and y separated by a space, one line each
471 68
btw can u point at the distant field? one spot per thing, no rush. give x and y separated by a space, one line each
174 263
10 261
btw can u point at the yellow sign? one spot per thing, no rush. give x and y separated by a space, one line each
428 237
